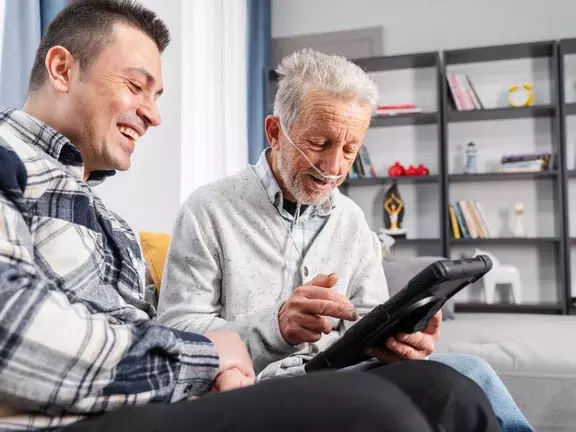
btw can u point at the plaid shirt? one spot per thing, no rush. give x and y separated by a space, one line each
76 335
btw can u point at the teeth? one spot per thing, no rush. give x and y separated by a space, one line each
130 132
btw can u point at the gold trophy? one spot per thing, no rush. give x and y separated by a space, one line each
394 213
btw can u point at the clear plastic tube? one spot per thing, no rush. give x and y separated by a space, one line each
328 177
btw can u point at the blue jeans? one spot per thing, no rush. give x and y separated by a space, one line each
509 415
507 412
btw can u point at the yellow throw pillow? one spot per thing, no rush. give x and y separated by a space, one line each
155 248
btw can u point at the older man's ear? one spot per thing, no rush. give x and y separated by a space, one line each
272 128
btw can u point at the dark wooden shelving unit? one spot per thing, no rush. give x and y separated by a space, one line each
444 116
554 112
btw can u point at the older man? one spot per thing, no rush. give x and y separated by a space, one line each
79 350
278 254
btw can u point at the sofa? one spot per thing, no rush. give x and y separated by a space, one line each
534 355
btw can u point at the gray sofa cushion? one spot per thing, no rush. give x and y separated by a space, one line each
398 273
547 401
518 343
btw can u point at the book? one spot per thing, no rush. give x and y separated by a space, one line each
454 223
483 219
470 225
461 221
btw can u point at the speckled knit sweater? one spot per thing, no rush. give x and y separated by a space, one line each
234 259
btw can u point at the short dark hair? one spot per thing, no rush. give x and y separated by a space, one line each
85 27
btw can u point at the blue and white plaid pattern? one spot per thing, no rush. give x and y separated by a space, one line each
76 335
303 228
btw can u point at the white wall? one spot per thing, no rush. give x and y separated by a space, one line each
203 133
1 29
430 25
148 195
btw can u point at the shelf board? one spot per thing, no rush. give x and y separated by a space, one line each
417 241
571 173
498 176
570 109
499 52
405 119
500 113
371 181
544 308
507 241
396 62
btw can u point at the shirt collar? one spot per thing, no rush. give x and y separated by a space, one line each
270 185
49 141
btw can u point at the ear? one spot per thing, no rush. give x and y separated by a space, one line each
59 63
272 128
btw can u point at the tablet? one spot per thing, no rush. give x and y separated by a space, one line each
408 311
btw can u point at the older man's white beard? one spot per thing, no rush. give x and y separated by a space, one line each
294 182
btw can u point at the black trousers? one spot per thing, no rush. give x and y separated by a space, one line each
413 396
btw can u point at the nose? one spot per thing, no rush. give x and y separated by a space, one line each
149 111
331 161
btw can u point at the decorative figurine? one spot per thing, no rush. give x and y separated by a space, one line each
417 170
470 167
519 228
396 170
500 274
412 171
394 213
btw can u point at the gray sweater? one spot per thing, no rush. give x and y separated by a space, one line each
226 269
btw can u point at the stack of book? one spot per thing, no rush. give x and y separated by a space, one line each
463 95
468 220
393 110
362 166
527 162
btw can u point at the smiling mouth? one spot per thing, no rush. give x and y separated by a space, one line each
319 182
129 133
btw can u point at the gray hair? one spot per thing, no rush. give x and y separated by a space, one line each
308 70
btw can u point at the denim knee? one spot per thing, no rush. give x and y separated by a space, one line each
472 366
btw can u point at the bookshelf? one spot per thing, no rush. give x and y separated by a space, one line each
545 117
427 65
567 107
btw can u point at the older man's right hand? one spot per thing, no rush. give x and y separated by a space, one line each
236 368
304 316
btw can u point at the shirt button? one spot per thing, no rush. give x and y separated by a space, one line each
305 271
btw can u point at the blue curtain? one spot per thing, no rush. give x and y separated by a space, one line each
48 11
24 24
259 45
